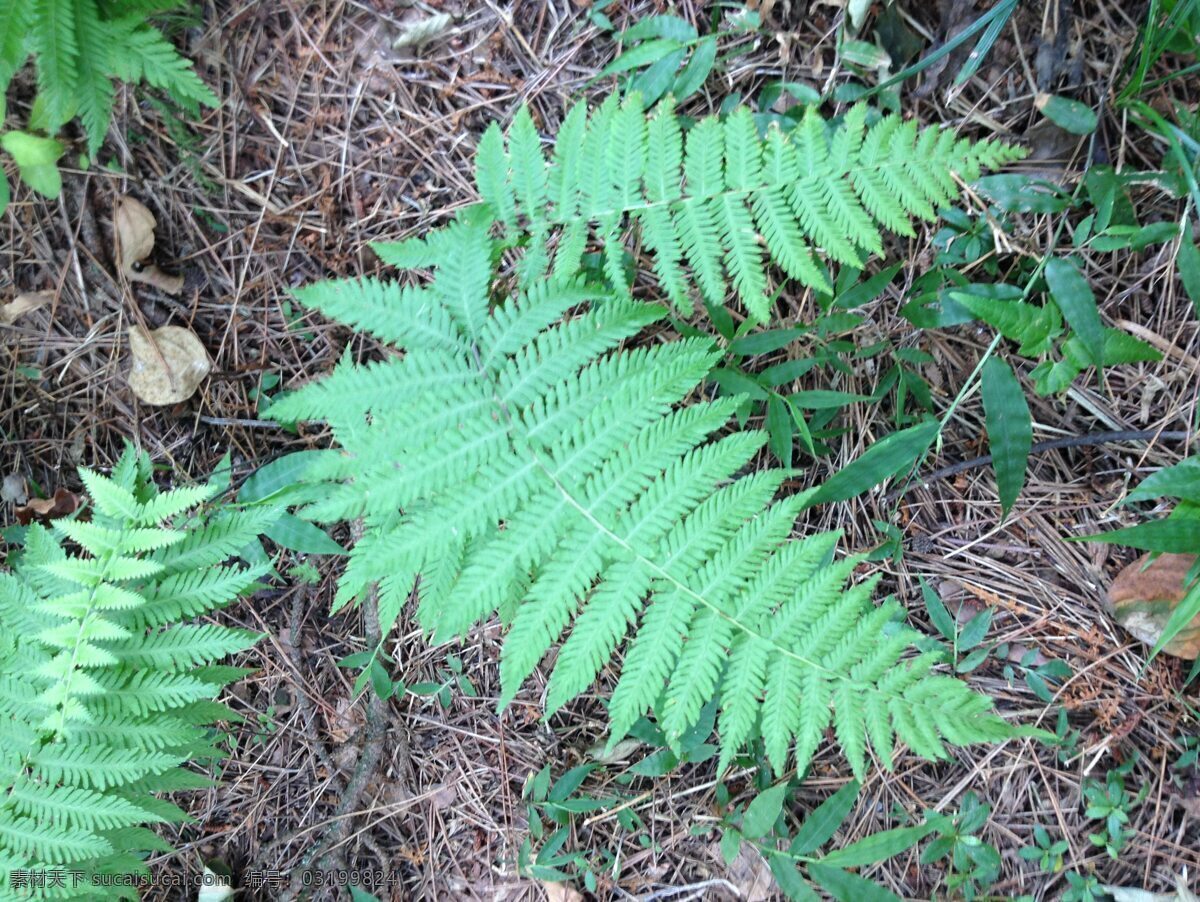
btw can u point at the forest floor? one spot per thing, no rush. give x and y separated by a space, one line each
329 139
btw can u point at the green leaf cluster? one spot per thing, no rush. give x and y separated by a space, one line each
106 680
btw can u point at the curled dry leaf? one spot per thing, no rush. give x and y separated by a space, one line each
168 364
43 510
133 232
1141 600
22 304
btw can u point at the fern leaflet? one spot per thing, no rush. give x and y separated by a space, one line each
722 200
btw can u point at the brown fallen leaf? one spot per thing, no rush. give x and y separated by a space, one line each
133 233
22 304
43 510
560 892
168 364
1141 600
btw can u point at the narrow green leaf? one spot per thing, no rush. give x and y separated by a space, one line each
697 70
762 813
1174 536
1188 262
1179 481
641 55
291 532
278 475
788 879
878 846
1069 115
824 820
820 399
887 457
847 887
1074 297
938 615
1180 617
37 160
1010 429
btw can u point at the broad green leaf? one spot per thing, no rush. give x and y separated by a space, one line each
824 820
299 535
878 846
762 813
1017 193
1010 429
37 160
974 631
1074 298
1188 262
889 456
1179 481
1069 115
847 887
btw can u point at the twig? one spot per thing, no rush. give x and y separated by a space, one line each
1071 441
322 854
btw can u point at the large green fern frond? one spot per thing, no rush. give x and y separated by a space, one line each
519 460
104 693
720 200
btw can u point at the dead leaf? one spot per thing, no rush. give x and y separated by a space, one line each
420 32
14 489
560 892
749 872
43 510
22 304
1131 894
133 232
168 364
1141 600
621 751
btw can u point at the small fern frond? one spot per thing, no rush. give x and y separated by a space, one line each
531 467
140 53
725 202
56 45
104 692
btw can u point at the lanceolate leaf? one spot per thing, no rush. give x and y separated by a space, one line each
893 454
1010 428
1074 297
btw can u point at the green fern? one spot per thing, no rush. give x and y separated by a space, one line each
80 46
723 201
519 461
104 693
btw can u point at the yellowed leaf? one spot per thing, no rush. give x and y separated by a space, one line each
1143 597
22 304
133 232
168 364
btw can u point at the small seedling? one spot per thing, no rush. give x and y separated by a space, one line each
974 864
1047 853
1111 803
